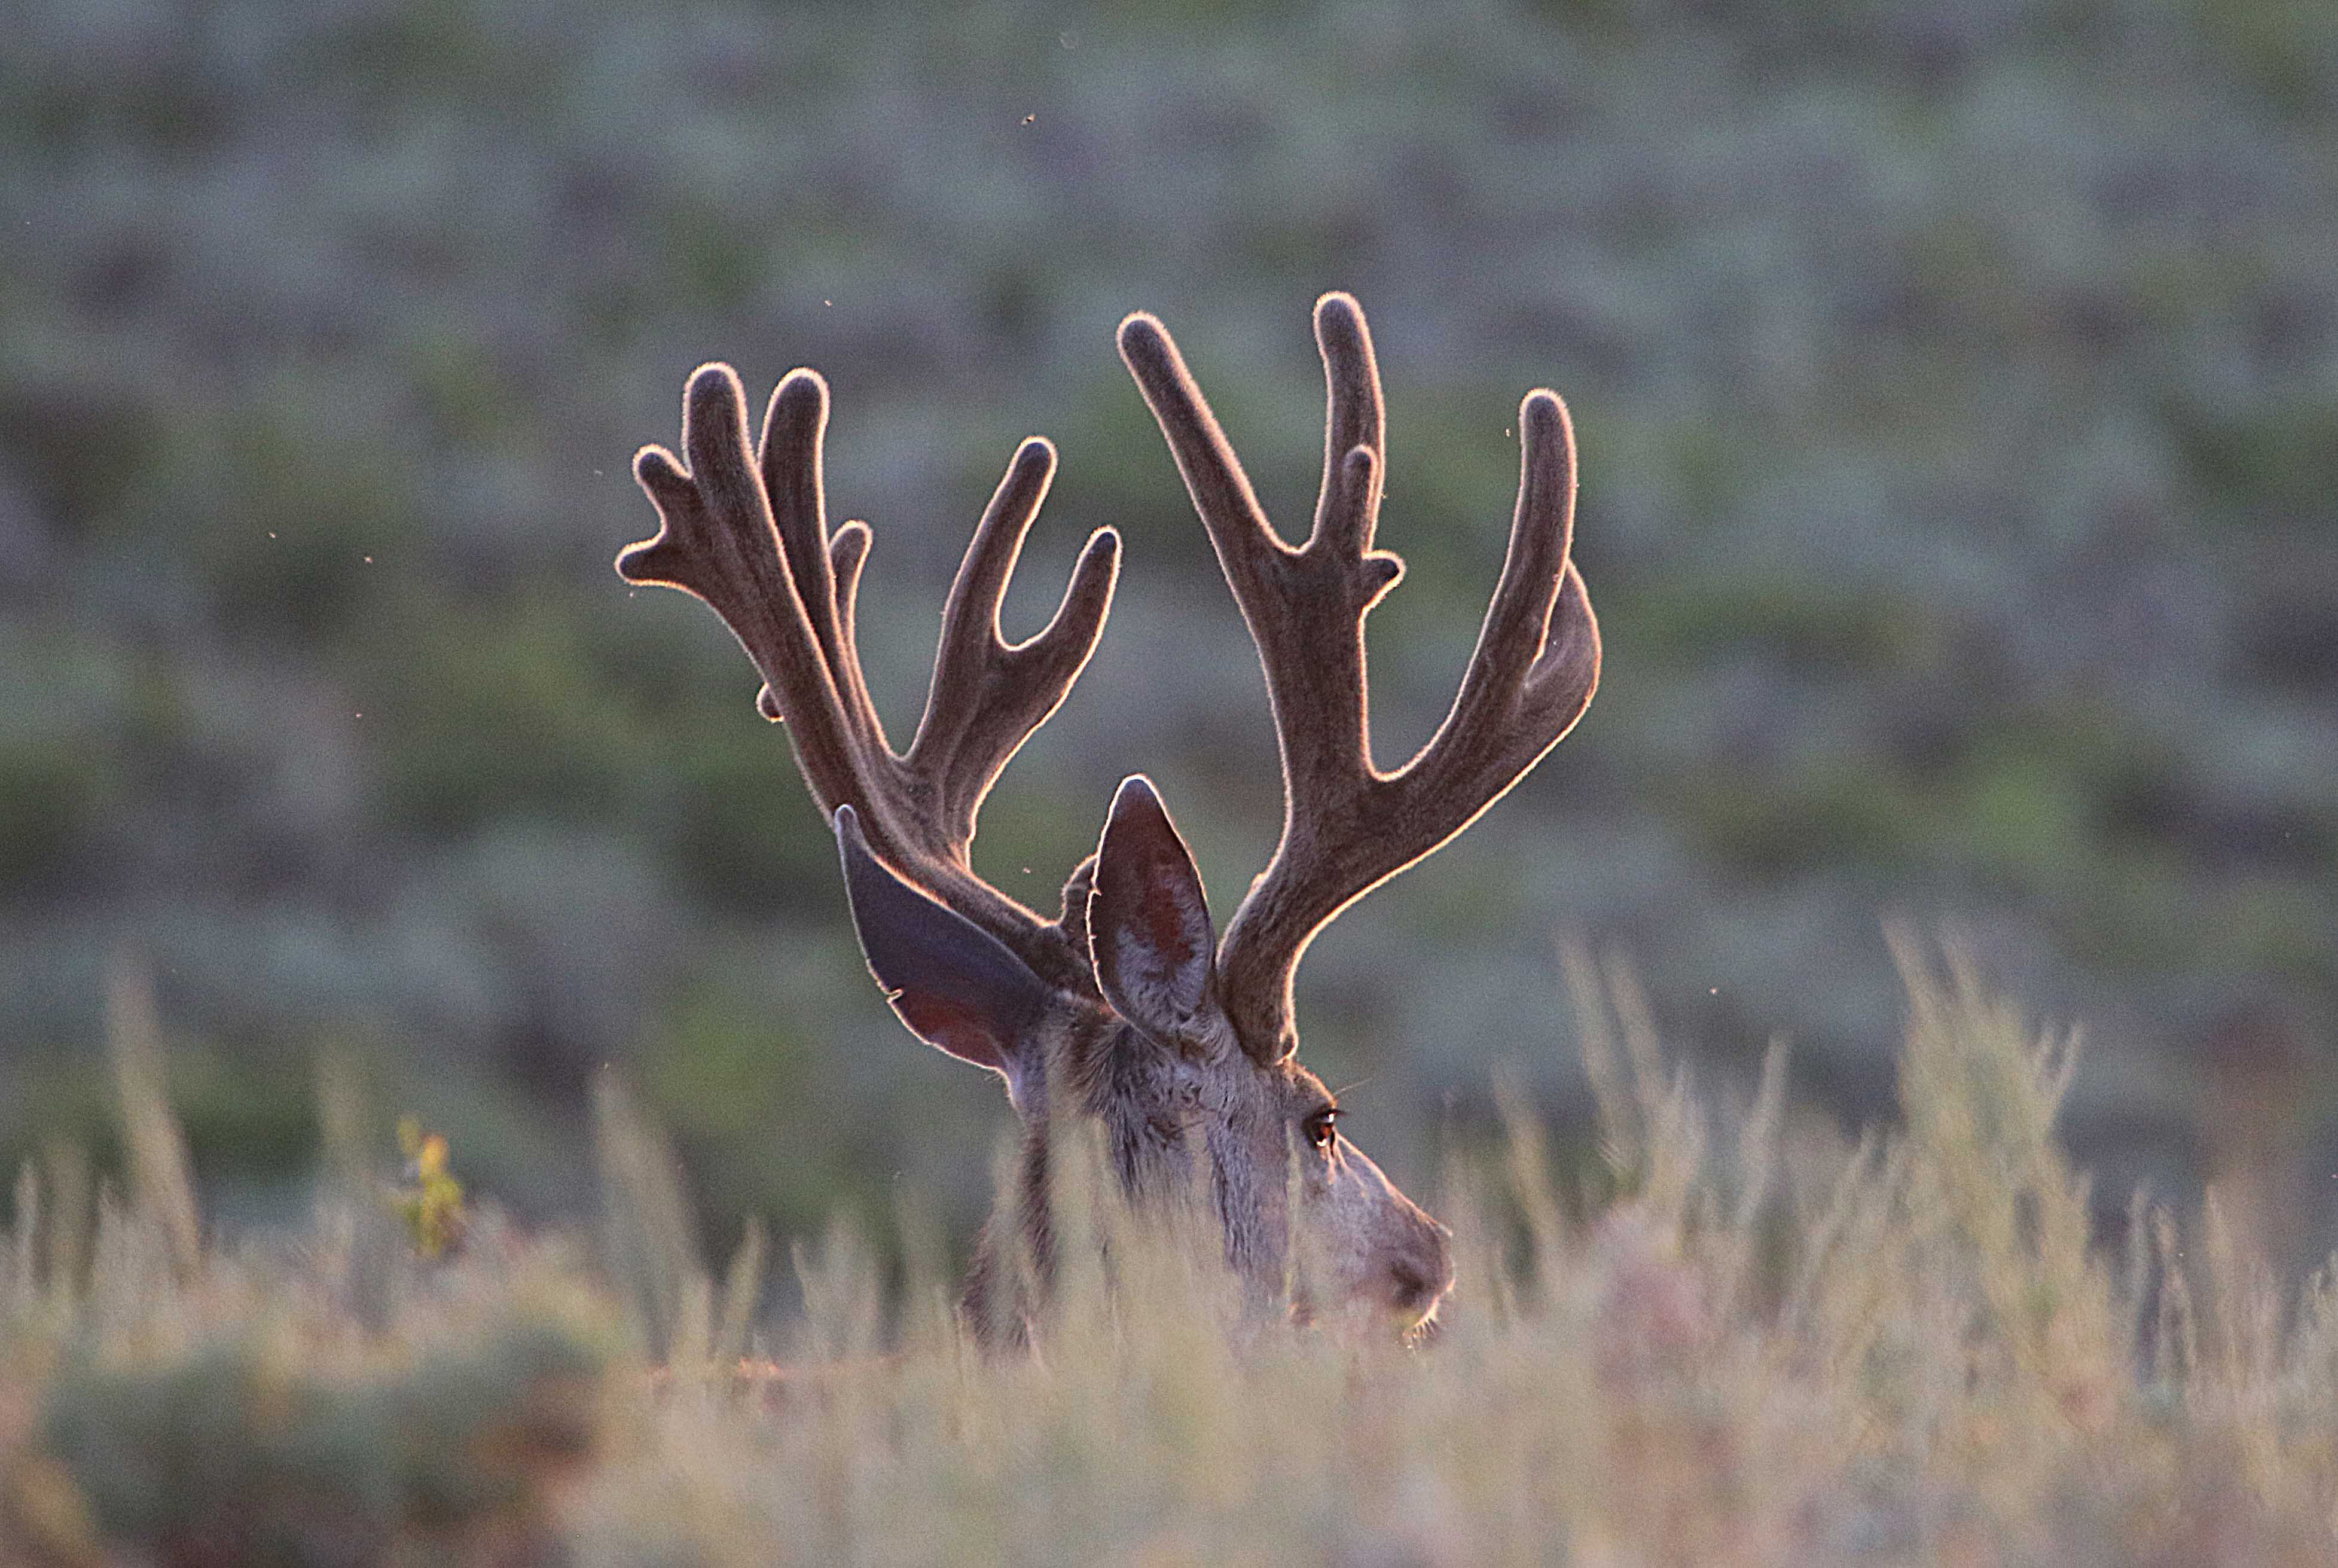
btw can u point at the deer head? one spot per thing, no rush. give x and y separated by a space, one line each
1127 1007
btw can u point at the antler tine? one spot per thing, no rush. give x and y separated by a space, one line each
1304 607
1537 662
753 542
1347 825
1353 419
719 542
989 697
789 460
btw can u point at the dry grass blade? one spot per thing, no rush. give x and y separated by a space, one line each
1620 1132
1757 1160
1532 1181
650 1233
161 1177
24 1280
742 1290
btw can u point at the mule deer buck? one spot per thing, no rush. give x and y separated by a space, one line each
1125 1005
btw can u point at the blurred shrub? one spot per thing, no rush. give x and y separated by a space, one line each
499 716
1954 393
240 1453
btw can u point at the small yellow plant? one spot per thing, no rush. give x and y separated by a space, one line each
432 1203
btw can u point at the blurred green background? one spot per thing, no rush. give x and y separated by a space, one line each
1957 386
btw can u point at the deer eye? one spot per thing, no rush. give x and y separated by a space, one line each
1321 1130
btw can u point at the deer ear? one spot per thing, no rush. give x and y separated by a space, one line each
955 985
1149 930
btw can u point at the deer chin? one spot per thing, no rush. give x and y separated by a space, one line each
1363 1321
1416 1322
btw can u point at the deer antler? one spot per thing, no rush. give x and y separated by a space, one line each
751 539
1347 826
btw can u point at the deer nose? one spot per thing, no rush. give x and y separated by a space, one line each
1421 1274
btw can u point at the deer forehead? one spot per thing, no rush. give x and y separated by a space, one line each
1229 1084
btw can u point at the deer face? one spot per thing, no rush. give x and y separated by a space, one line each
1365 1251
1360 1242
1161 1063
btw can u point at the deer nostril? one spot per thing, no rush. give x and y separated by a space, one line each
1424 1273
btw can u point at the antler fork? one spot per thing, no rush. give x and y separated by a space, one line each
750 539
1348 826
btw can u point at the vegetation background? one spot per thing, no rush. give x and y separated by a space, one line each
1957 385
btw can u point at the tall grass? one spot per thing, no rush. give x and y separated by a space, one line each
1749 1341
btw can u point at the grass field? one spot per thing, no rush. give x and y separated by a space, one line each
1732 1338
